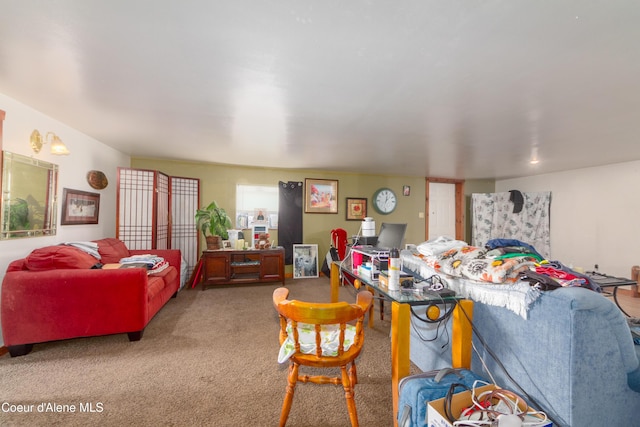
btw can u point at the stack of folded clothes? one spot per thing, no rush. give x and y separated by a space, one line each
153 263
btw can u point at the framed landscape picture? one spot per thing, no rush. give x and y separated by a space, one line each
356 209
305 261
321 196
79 207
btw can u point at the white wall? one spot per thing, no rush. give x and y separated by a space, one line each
86 154
594 215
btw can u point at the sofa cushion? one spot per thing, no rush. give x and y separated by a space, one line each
17 265
169 274
155 285
59 257
112 250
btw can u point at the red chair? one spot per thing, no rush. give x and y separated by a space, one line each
339 241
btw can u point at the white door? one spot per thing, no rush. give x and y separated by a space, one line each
442 210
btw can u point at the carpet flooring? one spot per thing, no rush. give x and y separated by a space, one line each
208 358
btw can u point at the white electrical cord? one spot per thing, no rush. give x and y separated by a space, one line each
473 423
506 413
484 365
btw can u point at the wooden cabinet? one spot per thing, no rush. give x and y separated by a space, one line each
225 267
272 266
215 267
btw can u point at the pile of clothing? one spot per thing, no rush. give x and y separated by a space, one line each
493 264
501 261
544 275
153 263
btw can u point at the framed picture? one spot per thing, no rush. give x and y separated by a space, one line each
305 261
356 209
321 196
260 215
226 244
79 207
406 190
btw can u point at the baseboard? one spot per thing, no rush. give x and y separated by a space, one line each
628 293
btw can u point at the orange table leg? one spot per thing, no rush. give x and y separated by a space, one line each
462 334
400 342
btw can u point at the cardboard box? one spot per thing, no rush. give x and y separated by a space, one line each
436 414
364 270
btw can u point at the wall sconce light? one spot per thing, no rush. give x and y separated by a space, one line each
57 146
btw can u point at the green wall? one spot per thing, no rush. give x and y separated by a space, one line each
218 182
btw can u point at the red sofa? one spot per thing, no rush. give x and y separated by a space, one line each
57 292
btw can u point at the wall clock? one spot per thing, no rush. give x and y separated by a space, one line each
385 201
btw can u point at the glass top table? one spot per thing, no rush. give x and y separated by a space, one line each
405 296
401 303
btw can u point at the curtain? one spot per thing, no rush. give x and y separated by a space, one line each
289 217
525 217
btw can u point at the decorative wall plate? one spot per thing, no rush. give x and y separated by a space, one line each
97 180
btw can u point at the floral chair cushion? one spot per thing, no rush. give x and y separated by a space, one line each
330 340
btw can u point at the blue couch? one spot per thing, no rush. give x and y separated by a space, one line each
574 355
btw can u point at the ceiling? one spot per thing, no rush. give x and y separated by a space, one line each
448 88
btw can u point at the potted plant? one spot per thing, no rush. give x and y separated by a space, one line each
214 222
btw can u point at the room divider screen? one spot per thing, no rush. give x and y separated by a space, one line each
185 196
156 211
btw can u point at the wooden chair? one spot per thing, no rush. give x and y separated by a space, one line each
293 314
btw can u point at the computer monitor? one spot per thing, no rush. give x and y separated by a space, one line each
391 235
